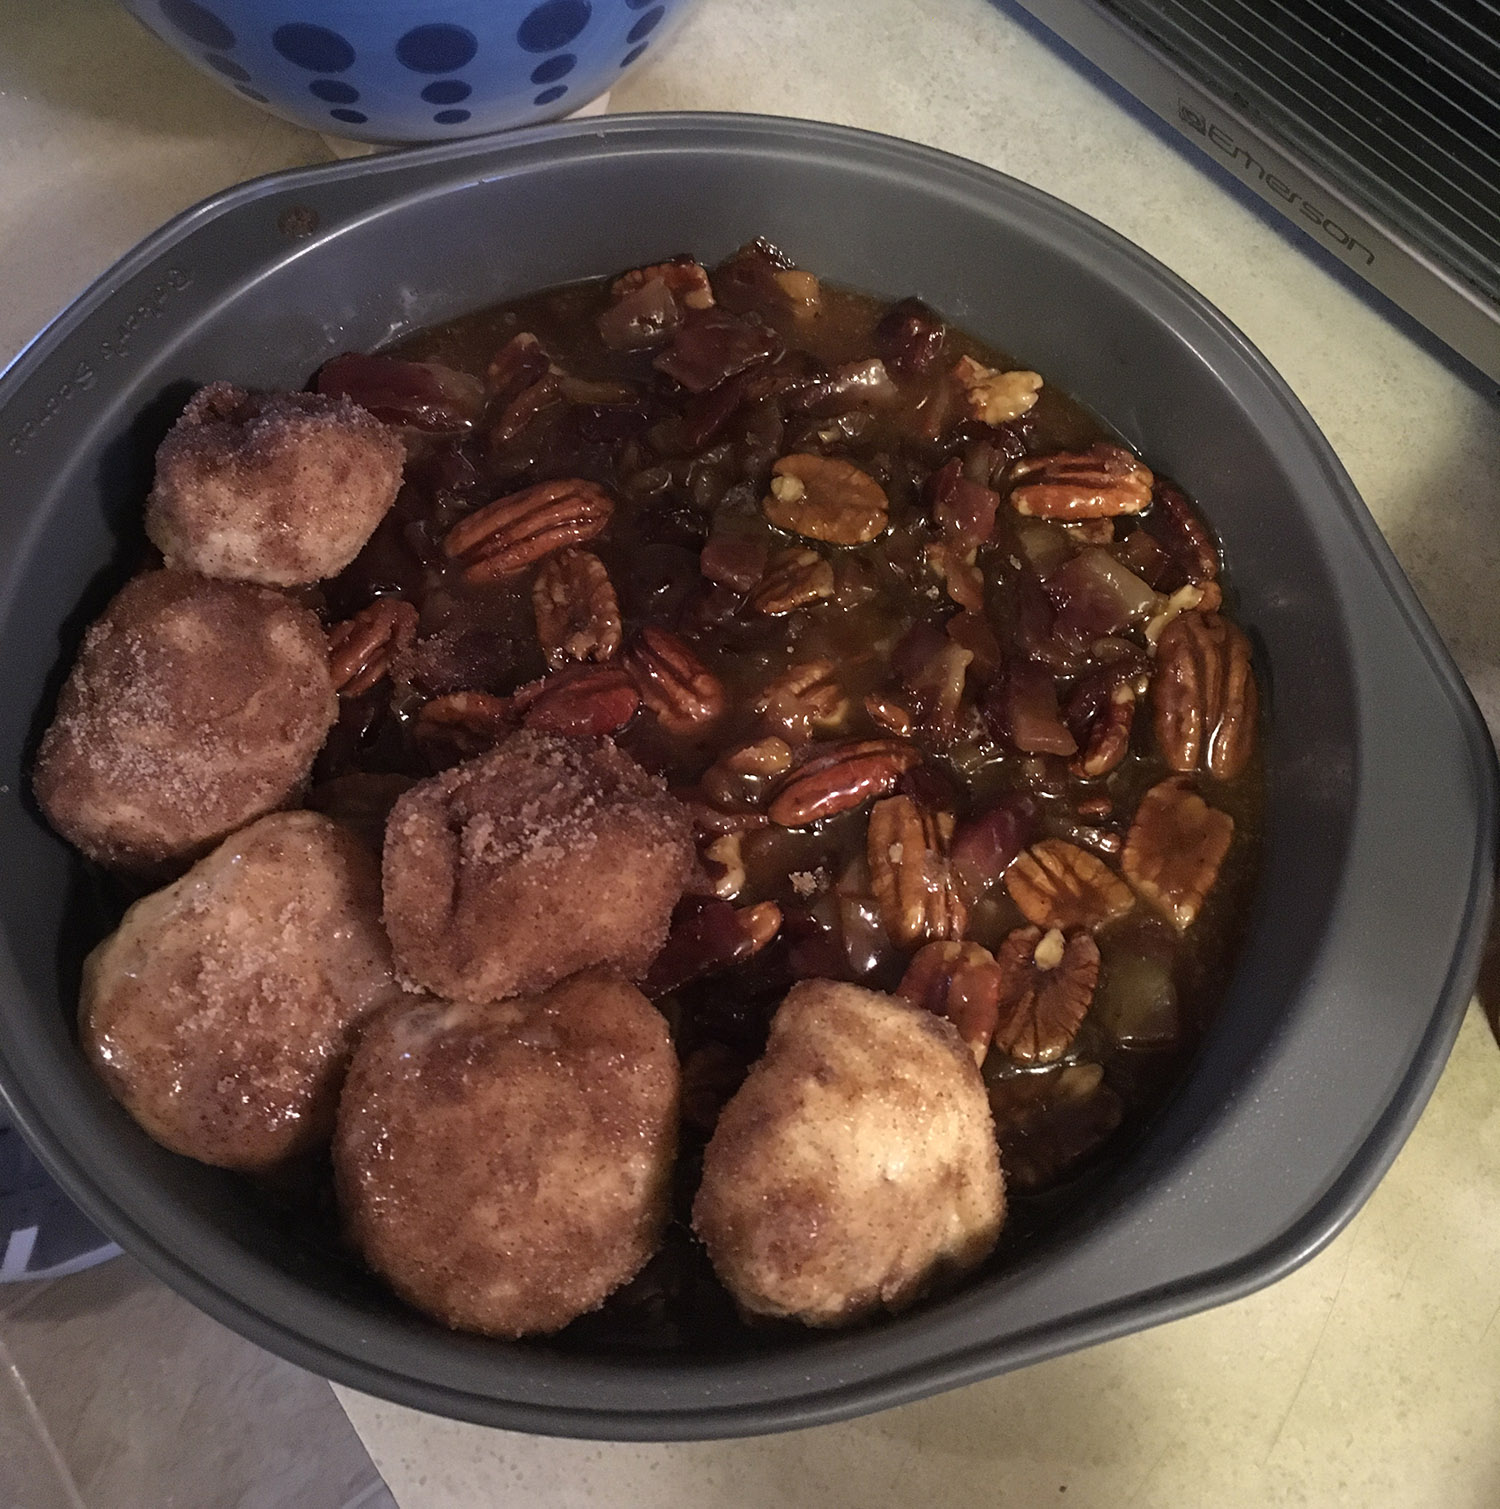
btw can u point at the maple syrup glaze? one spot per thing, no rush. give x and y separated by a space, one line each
685 468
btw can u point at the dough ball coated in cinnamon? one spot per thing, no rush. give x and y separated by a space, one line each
194 707
506 1166
855 1166
222 1011
278 488
548 855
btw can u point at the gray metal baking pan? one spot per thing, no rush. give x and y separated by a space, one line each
1365 937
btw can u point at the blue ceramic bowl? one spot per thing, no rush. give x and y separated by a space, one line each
413 70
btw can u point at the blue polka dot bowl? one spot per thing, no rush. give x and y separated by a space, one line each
414 70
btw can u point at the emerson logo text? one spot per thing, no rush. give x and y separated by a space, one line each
1248 167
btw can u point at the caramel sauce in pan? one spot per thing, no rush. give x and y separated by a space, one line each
1157 991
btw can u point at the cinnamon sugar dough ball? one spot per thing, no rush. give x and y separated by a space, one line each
510 872
506 1165
222 1011
194 707
856 1164
279 488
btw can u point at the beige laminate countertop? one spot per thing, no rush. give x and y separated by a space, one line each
1372 1375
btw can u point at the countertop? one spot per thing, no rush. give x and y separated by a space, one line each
1371 1375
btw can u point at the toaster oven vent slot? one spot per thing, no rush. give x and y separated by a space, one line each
1398 102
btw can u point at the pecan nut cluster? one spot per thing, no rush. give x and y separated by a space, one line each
943 673
774 712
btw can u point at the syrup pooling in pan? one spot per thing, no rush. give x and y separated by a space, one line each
883 665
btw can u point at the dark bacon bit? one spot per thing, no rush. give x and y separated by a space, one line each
1020 706
937 690
419 395
645 316
964 510
749 281
735 559
934 672
1145 555
856 384
909 338
1095 595
1039 635
984 847
707 936
715 345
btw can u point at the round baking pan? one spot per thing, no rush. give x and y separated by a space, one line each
1364 939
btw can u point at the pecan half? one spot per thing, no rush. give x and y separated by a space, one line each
996 397
516 531
1175 522
962 579
518 414
741 777
711 936
960 981
577 613
804 697
839 778
907 851
725 865
1091 531
1057 884
1047 986
826 498
936 689
461 725
794 578
889 715
1174 849
1109 738
673 683
1047 1123
1203 696
1100 840
1208 598
683 275
1102 481
361 649
580 703
711 821
518 364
